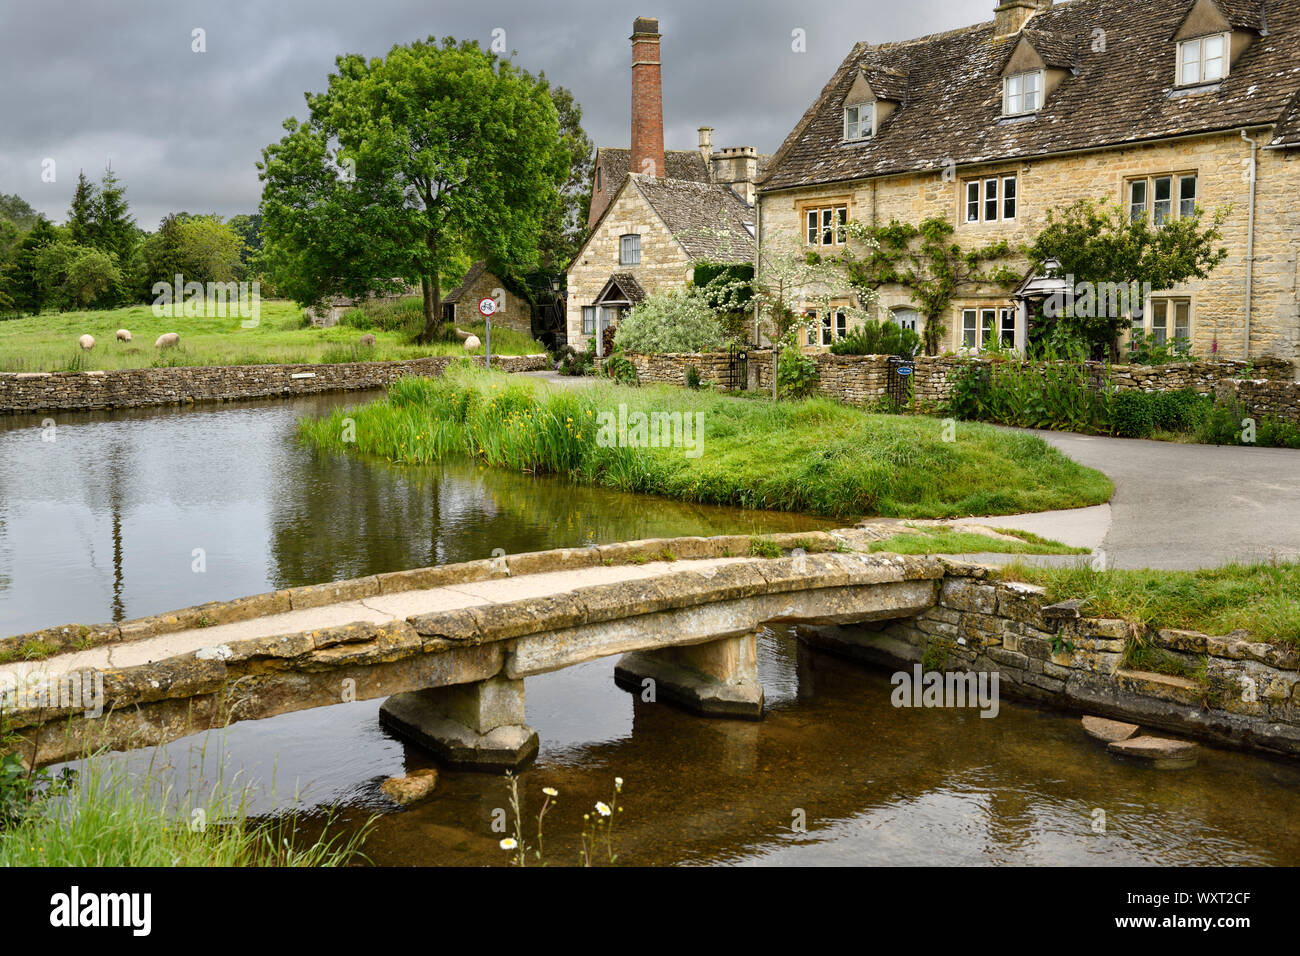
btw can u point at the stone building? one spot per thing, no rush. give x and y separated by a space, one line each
1163 106
460 305
656 212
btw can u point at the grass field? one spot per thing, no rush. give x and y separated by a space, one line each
1261 598
814 456
48 342
945 540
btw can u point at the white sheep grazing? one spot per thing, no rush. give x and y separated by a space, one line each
368 341
472 343
167 340
87 342
123 335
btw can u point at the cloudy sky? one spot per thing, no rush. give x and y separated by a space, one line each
90 82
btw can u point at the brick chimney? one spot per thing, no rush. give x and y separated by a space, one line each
1012 15
647 99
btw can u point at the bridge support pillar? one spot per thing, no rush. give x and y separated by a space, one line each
717 679
478 726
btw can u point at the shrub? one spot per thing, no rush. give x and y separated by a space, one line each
1222 424
1276 433
879 338
622 370
1146 351
678 320
1180 411
1131 414
692 377
796 374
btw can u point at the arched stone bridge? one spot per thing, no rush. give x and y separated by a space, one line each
450 646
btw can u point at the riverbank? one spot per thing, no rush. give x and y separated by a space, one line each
813 456
131 388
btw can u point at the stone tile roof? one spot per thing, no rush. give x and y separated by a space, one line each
1288 130
685 164
1056 49
708 219
1124 93
475 272
627 284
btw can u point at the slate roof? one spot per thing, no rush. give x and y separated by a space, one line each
685 164
472 276
1123 94
627 284
708 219
1055 49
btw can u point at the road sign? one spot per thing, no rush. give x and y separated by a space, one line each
487 306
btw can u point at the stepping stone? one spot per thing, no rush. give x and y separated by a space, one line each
1107 731
410 789
1161 752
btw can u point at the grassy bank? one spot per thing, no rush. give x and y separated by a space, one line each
946 540
1261 598
48 342
113 818
813 456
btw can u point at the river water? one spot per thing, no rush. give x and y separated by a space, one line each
128 513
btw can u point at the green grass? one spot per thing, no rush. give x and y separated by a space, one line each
48 342
1261 598
942 540
814 456
114 818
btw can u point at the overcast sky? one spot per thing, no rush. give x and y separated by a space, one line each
116 80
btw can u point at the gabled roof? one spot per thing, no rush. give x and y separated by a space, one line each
473 275
708 220
1288 130
1055 49
887 84
686 164
1244 14
629 290
1123 93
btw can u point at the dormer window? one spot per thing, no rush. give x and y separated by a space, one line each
1022 93
1203 60
859 121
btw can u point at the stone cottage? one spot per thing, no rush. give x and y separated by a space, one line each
655 213
460 305
1163 106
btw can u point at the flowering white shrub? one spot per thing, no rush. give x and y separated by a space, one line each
678 320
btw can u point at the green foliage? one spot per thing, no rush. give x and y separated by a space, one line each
1099 243
1146 351
796 374
622 370
14 209
692 377
73 276
676 320
1055 395
25 792
727 286
403 162
879 338
932 267
764 548
565 225
1131 415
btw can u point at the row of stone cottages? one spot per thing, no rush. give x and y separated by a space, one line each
1161 105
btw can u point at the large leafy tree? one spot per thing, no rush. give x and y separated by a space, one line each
18 211
405 162
1098 242
20 281
566 223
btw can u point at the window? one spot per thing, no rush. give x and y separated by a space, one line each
907 318
588 320
1162 197
832 326
629 250
859 121
985 327
991 200
1170 322
1203 60
1022 93
825 226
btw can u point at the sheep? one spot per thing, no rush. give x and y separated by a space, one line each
472 343
368 341
87 342
123 335
167 340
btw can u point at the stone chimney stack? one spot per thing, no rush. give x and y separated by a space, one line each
647 99
1012 15
706 143
737 167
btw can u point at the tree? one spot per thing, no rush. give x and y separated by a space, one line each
113 229
17 211
74 276
81 215
1099 244
566 222
932 267
20 281
401 160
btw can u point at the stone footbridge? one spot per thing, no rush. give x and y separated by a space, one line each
450 646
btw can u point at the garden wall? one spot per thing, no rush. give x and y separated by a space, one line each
1236 691
1264 397
126 388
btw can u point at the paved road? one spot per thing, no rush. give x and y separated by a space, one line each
1188 506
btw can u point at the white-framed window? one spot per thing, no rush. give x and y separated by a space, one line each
986 327
825 225
1022 93
1162 197
907 318
1165 320
827 327
588 320
629 250
1203 60
992 199
859 121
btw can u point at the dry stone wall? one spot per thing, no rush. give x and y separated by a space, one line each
127 388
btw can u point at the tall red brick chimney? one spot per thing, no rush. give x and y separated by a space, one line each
647 99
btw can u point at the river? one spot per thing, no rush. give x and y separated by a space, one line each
129 513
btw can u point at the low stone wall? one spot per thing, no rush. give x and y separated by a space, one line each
1264 398
126 388
1242 693
670 368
